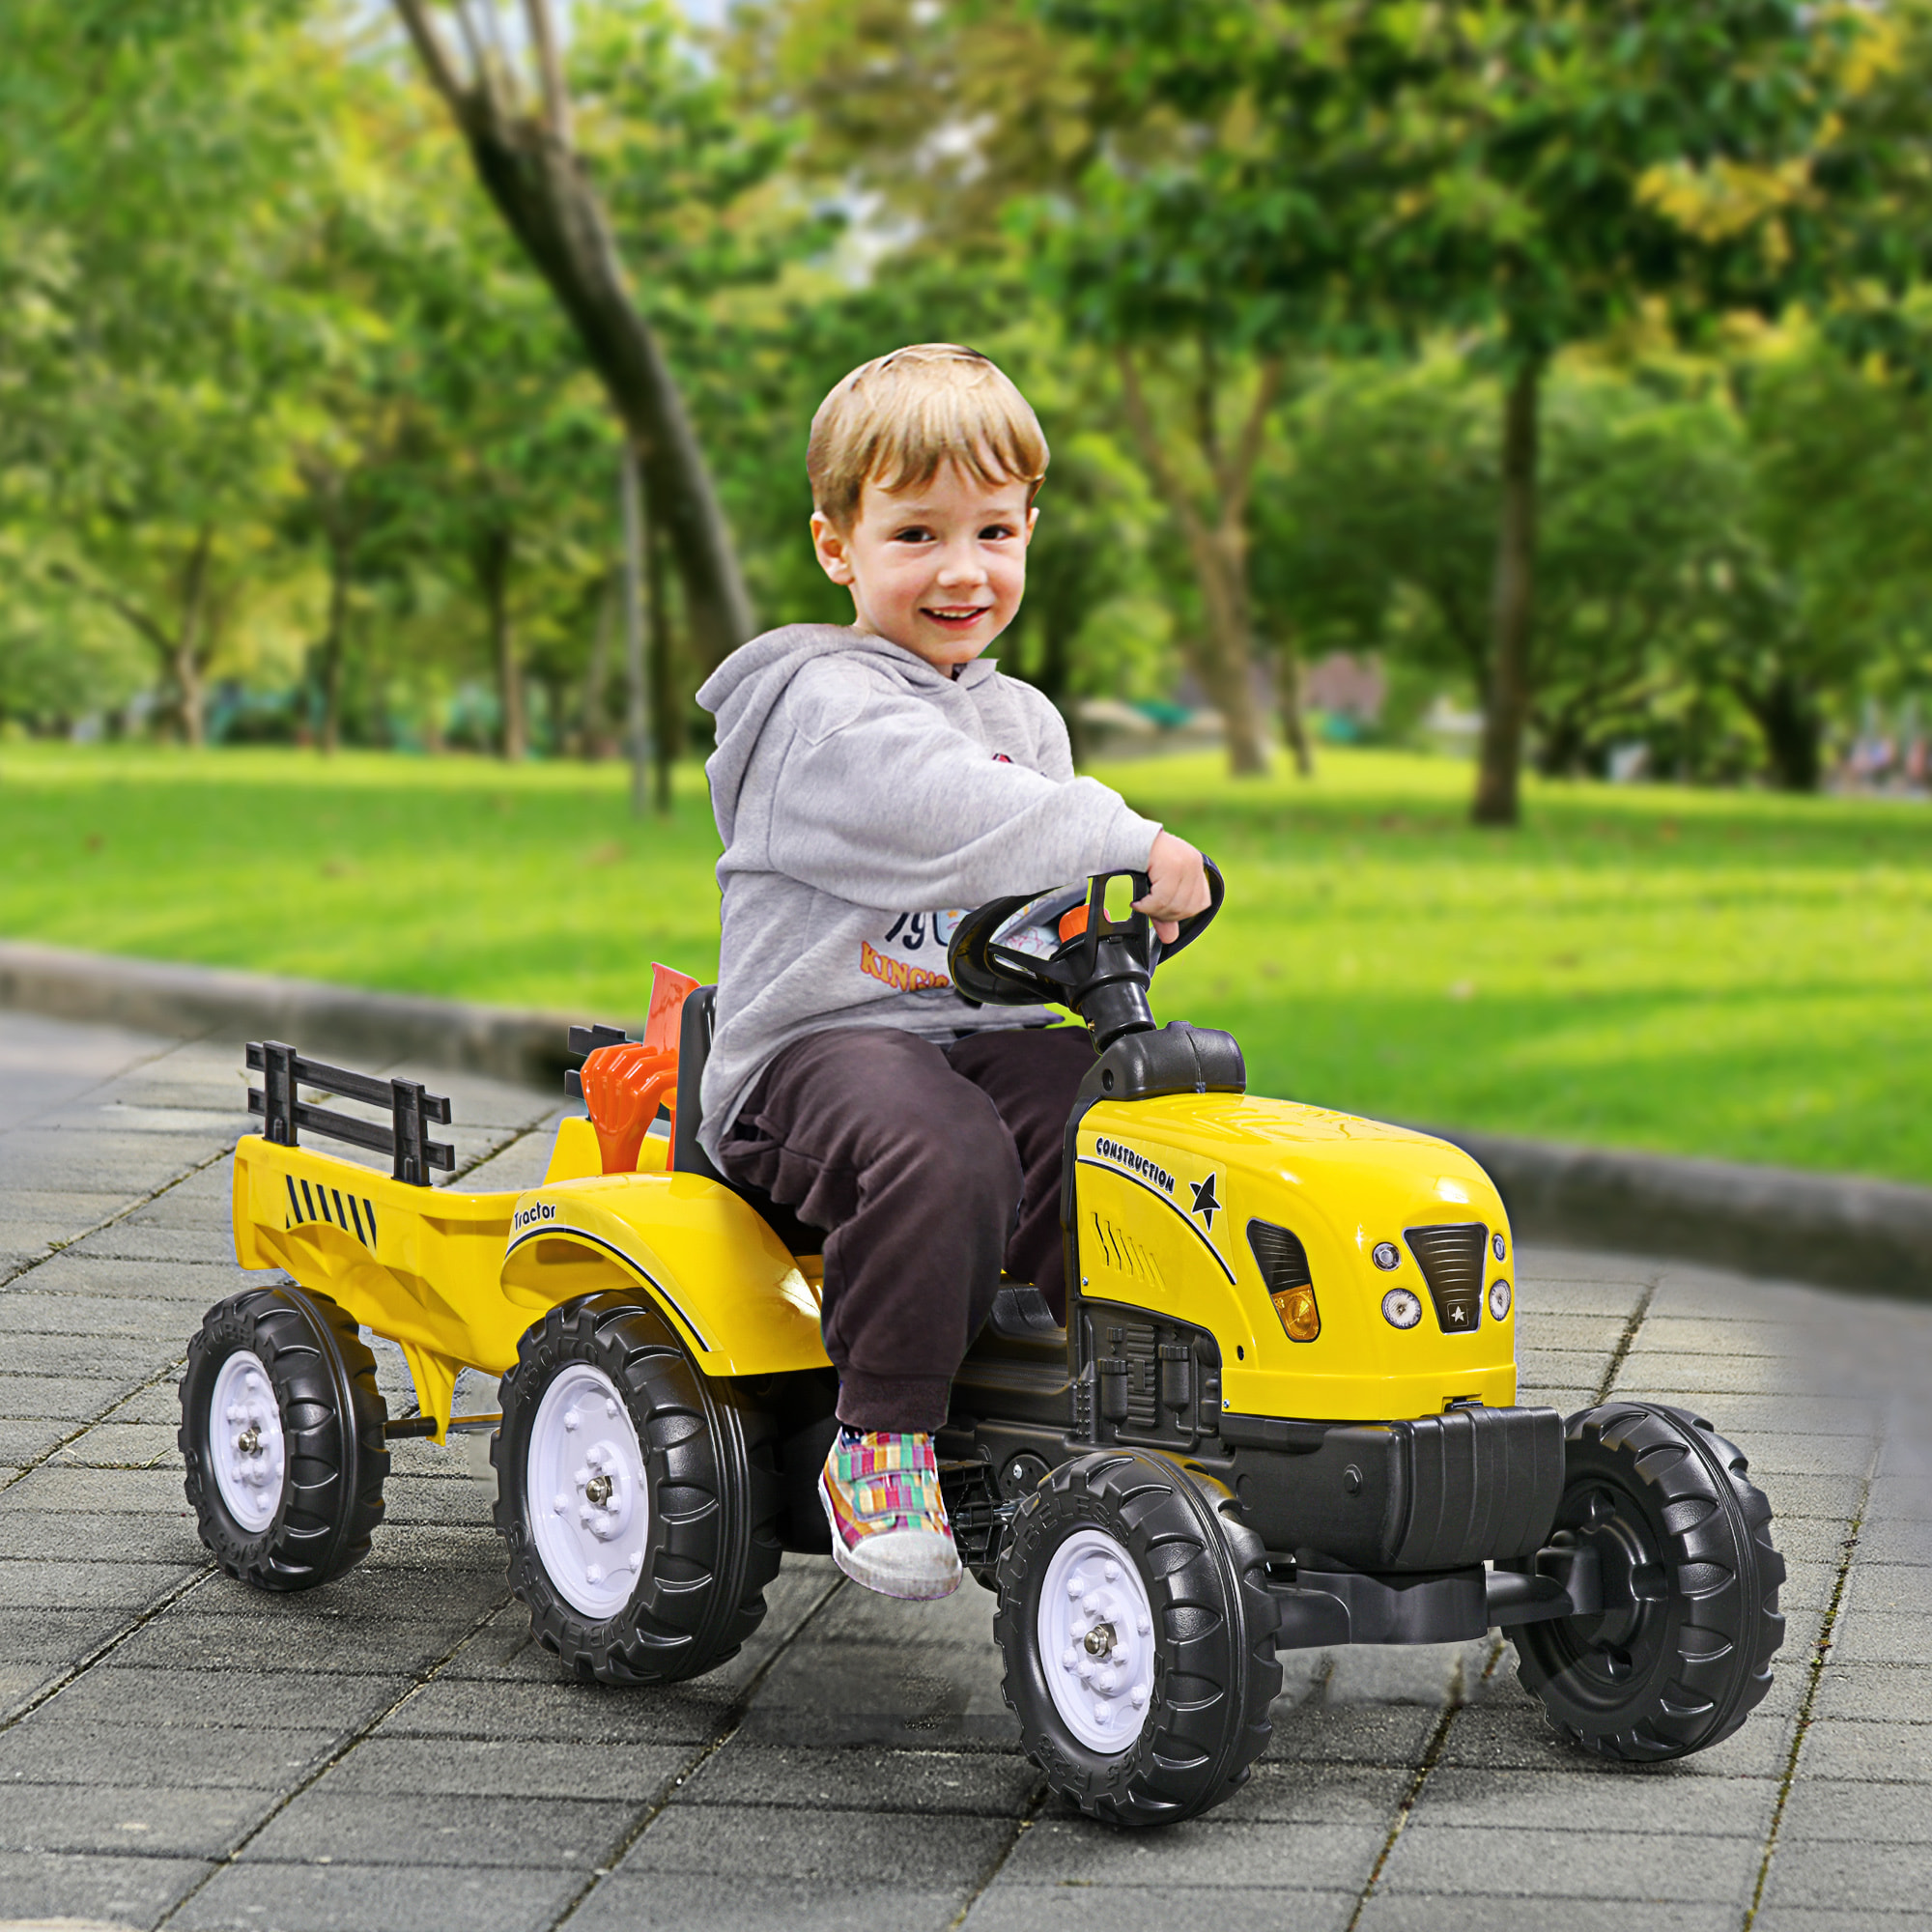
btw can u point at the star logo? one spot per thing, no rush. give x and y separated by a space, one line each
1205 1203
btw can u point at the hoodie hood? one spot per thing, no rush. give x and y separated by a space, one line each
742 692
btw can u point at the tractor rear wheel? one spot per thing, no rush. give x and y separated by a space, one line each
638 1498
282 1436
1681 1650
1138 1635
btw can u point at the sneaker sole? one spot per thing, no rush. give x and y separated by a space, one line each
916 1590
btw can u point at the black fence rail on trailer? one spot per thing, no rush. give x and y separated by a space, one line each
412 1110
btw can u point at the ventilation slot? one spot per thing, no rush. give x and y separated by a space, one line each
1125 1255
1280 1256
1451 1261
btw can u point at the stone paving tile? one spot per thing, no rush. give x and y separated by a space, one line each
143 1492
253 1895
156 1821
1198 1855
195 1640
1486 1912
122 1445
31 1583
176 1291
494 1767
1846 1876
1651 1801
441 1828
864 1779
754 1902
270 1699
1895 1691
1679 1866
157 1537
1107 1908
777 1843
54 1747
561 1712
112 1892
1883 1752
1855 1813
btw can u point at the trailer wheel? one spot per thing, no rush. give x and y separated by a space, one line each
638 1498
1681 1649
1138 1635
282 1436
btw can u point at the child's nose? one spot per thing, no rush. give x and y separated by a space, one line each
961 564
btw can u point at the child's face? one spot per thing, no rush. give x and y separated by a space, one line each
938 568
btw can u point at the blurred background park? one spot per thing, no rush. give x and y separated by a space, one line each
1490 505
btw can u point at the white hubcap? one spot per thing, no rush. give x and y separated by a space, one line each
1096 1633
245 1442
583 1491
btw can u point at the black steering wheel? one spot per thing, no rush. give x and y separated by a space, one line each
1060 948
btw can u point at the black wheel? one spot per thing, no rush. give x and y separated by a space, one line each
638 1498
1138 1636
282 1431
1681 1649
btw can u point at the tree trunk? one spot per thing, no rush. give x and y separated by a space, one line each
331 645
186 661
637 711
1056 680
667 725
1222 658
1793 733
494 556
1288 701
544 195
1499 779
593 728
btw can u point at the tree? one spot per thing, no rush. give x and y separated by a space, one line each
521 129
1579 165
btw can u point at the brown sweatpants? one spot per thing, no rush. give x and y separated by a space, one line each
928 1168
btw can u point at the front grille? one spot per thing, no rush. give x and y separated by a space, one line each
1280 1256
1451 1261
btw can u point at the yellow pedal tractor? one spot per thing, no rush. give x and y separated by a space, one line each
1280 1414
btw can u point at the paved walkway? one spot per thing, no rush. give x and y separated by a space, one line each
392 1752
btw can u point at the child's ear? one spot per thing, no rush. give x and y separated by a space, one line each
834 552
1033 517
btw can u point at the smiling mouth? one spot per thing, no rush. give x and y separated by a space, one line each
959 617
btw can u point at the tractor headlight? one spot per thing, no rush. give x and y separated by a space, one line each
1402 1308
1300 1318
1387 1255
1498 1247
1499 1299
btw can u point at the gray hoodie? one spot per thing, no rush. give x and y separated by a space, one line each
865 800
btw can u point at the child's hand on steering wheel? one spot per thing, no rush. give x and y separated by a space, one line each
1176 885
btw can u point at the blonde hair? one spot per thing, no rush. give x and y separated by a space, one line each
894 420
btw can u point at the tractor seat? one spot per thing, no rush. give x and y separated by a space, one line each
693 1049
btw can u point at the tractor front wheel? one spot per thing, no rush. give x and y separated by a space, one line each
1681 1649
1138 1636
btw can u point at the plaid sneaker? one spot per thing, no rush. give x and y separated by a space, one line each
889 1527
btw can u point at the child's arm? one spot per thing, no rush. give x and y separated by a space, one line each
880 803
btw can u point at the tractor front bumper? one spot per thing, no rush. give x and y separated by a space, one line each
1435 1493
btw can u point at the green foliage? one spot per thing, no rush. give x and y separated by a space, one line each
1714 973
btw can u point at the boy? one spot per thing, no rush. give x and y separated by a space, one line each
866 781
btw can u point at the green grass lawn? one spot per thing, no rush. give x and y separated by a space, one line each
1740 976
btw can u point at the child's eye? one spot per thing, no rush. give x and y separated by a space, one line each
996 532
912 533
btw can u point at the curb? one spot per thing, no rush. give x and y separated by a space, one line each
150 996
1836 1231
